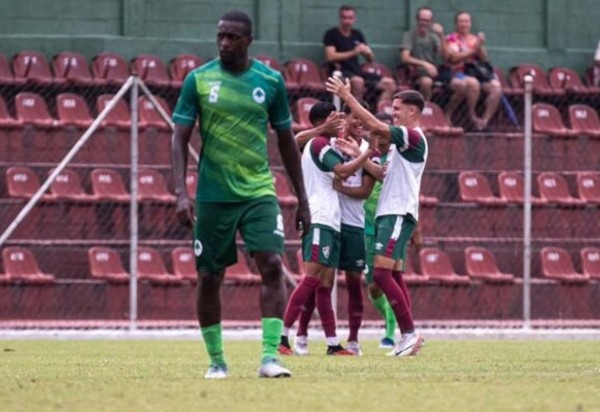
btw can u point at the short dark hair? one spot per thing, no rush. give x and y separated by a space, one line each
459 13
320 111
412 98
420 9
346 7
384 117
239 17
346 109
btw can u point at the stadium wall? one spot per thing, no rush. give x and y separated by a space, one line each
547 32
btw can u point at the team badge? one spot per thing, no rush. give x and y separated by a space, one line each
259 95
326 252
197 247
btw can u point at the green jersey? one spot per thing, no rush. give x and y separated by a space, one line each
234 111
370 205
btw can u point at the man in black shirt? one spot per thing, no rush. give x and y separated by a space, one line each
343 45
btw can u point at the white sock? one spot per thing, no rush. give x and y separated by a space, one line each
332 341
285 332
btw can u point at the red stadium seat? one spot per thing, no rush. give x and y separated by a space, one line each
480 263
72 110
6 120
7 78
410 276
403 76
106 264
512 188
379 69
540 83
119 116
67 185
303 76
152 187
73 68
434 121
150 116
22 183
303 106
565 80
151 70
437 266
184 263
590 262
547 120
151 267
553 187
31 109
285 196
181 65
584 120
107 184
557 265
20 264
33 67
110 67
474 187
270 61
240 272
507 89
588 187
191 182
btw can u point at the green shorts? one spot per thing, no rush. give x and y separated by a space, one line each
369 258
352 251
392 233
321 245
259 221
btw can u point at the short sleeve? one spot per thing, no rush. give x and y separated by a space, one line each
323 154
329 38
187 108
405 138
279 111
361 36
407 42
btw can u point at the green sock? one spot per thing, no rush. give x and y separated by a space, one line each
272 328
386 312
390 320
213 339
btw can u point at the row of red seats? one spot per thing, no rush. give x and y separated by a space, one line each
552 189
582 118
72 110
108 184
300 73
105 263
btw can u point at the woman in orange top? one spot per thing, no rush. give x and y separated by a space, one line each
463 47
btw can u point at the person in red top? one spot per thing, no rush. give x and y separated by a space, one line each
465 47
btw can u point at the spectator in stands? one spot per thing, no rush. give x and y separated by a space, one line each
343 46
425 49
465 47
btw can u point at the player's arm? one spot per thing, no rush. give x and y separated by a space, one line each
342 89
330 127
281 120
360 192
374 169
184 117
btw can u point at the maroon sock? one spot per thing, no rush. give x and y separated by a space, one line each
397 275
299 296
355 306
306 312
326 311
383 278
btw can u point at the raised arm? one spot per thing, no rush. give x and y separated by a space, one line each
342 89
331 127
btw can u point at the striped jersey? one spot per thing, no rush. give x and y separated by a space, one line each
234 110
405 166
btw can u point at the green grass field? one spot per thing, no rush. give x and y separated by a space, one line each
167 376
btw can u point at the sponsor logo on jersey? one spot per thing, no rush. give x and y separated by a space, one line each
326 252
197 247
259 95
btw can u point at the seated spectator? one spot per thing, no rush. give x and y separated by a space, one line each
343 45
425 49
464 48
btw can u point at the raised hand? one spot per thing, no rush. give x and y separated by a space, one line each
348 147
334 123
339 87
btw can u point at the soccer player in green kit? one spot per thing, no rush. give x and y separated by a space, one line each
235 97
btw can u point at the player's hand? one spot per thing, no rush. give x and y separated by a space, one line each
337 183
303 218
185 211
348 147
339 87
334 123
